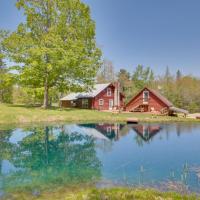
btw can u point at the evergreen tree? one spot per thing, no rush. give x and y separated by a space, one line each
142 77
124 79
178 75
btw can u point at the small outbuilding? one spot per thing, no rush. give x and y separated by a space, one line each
149 100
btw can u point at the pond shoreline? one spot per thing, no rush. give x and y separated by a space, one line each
53 123
20 115
109 193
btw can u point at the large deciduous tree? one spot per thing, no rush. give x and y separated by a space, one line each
6 78
55 46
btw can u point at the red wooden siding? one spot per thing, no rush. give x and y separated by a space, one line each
66 104
93 103
103 95
154 102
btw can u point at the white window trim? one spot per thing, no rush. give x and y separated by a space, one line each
73 103
101 102
109 92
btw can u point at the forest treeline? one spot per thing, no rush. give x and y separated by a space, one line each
182 90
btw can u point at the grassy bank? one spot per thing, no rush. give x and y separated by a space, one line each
103 194
20 114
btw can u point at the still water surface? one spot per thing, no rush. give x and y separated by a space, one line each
165 156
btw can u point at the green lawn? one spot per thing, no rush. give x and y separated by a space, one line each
104 194
20 114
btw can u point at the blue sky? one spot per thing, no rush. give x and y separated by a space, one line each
155 33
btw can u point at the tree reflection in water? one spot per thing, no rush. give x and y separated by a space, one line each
52 156
5 154
49 157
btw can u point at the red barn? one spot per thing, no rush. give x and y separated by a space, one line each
102 97
148 100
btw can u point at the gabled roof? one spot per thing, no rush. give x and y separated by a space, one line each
161 97
93 93
157 94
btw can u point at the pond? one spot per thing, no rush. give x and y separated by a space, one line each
164 156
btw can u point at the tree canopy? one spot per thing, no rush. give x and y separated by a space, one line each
182 90
6 78
55 46
142 77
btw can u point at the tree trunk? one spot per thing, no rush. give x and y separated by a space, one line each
46 95
47 144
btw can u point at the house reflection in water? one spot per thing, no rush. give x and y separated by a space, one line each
110 131
116 131
146 132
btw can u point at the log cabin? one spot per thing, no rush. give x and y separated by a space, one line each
101 97
148 100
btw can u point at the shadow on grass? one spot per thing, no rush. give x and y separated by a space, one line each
40 107
23 106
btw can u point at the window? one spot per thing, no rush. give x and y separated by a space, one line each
85 103
109 92
73 103
145 132
110 104
101 102
109 129
145 96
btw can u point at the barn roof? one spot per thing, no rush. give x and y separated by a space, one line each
161 97
70 97
94 92
157 94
